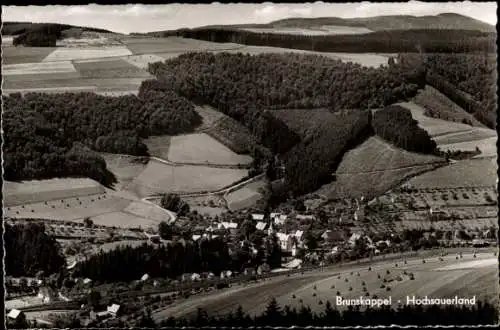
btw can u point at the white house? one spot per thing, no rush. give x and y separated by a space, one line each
298 234
14 314
228 225
258 217
354 237
87 281
144 277
305 217
280 219
113 310
286 241
195 277
196 237
261 225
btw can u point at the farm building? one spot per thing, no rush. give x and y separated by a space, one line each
332 237
280 219
15 314
274 215
227 225
261 225
298 234
144 277
257 217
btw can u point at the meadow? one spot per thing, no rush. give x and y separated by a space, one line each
38 68
150 45
158 178
465 173
203 149
158 146
312 31
125 168
113 68
18 55
70 54
246 196
313 289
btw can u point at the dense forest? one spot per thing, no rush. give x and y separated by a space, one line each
396 125
470 80
245 87
176 258
483 313
29 250
41 131
391 41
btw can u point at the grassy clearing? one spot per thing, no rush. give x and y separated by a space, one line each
377 155
117 68
70 208
17 55
465 173
69 54
438 106
27 192
161 178
38 68
148 211
433 126
202 148
145 45
158 146
142 61
210 116
370 184
488 147
124 220
123 167
247 196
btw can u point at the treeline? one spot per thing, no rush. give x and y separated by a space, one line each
396 125
38 34
244 87
468 80
29 250
390 41
484 313
41 130
173 259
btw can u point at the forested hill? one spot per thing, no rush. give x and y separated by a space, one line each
393 22
16 28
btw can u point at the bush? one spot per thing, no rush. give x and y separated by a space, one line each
350 288
382 286
388 288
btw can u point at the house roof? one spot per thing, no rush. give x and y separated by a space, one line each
261 225
282 236
113 308
230 225
14 313
87 280
299 233
332 235
144 277
257 216
275 214
196 237
306 216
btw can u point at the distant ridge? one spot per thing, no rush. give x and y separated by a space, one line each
17 28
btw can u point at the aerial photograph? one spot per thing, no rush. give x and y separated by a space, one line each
248 165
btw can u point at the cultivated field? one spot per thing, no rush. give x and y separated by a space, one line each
148 211
125 220
114 68
125 168
465 173
70 54
202 148
38 68
374 167
441 107
246 196
17 55
27 192
150 45
160 178
312 31
142 61
312 287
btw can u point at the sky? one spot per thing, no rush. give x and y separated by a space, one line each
147 18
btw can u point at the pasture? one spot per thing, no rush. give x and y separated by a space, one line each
151 45
148 211
158 178
158 146
35 191
312 287
115 68
18 55
38 68
71 54
312 31
125 168
142 61
488 147
374 167
246 196
203 149
124 220
465 173
441 107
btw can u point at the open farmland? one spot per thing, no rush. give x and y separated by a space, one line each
70 54
125 168
38 68
150 45
438 106
465 173
114 68
374 167
158 178
34 191
212 205
246 196
202 148
142 61
18 55
124 220
488 147
312 287
312 31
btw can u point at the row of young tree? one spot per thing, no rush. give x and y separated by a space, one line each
396 125
41 130
29 250
390 41
171 260
470 80
484 313
246 87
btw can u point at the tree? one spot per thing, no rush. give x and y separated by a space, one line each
310 241
88 222
273 312
94 299
174 203
165 230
